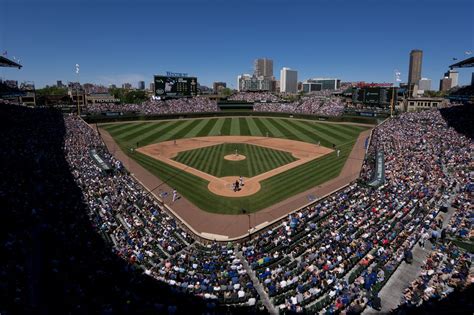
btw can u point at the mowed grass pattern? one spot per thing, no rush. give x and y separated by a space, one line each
273 190
211 159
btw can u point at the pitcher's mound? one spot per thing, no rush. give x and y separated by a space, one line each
223 187
233 157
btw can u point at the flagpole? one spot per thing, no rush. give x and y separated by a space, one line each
77 91
392 105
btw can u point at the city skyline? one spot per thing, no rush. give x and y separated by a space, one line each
111 52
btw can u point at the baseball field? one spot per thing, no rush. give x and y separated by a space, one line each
202 158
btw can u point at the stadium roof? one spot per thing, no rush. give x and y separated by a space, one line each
466 63
5 62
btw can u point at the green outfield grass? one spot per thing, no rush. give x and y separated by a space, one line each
211 159
273 190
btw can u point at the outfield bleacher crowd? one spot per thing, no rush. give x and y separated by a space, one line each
333 256
323 105
308 105
255 97
156 107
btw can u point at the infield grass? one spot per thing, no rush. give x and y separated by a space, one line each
211 159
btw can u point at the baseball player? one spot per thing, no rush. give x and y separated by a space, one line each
241 180
175 195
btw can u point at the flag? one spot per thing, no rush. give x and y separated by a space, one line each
468 52
455 58
397 76
77 68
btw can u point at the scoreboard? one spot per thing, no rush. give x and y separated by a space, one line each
173 86
374 96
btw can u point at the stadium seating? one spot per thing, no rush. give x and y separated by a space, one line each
332 256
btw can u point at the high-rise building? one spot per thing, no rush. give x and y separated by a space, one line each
414 72
126 86
424 84
453 75
59 83
263 67
445 84
141 85
112 86
152 86
288 80
217 86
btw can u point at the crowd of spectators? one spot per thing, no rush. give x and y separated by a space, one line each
446 269
333 256
308 105
321 259
143 233
156 107
255 97
81 240
321 104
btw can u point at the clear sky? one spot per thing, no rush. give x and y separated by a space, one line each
215 40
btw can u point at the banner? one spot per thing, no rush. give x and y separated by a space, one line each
379 177
99 161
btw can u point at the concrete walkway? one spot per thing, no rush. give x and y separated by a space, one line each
258 286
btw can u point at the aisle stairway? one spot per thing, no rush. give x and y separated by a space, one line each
258 286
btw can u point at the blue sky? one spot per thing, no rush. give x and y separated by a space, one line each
215 40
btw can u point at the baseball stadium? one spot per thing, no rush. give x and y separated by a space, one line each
276 196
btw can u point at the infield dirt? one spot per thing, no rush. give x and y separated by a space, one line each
222 186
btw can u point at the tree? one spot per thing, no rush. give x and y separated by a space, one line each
51 90
129 96
225 92
435 93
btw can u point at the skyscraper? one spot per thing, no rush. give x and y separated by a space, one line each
288 80
445 84
141 85
414 72
453 75
424 84
263 67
